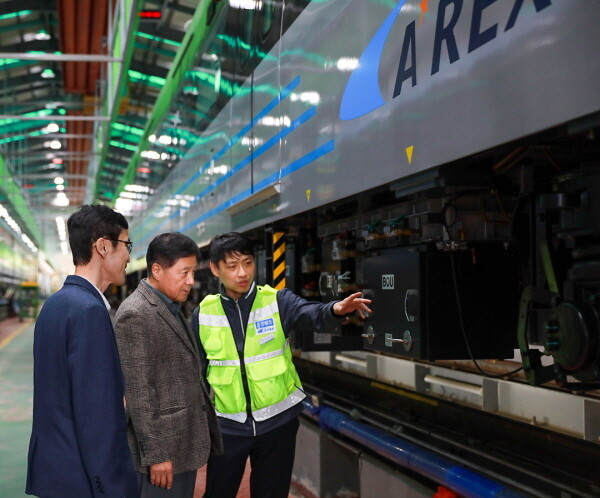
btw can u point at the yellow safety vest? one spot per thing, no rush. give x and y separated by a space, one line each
272 378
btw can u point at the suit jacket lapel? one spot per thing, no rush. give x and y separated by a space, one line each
167 316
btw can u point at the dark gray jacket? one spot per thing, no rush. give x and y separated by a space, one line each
170 414
297 315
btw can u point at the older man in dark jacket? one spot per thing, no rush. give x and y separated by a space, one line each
172 422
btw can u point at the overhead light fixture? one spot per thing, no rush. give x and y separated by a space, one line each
150 154
138 188
42 35
60 188
52 128
48 73
210 57
59 180
61 227
246 4
255 199
55 144
190 90
5 215
61 200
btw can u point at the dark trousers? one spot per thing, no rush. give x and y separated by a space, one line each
271 460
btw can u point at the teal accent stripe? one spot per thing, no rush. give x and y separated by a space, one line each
244 162
258 152
269 107
286 92
290 168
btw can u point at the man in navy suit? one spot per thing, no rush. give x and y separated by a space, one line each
78 446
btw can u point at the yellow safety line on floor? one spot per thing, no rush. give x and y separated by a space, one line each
7 340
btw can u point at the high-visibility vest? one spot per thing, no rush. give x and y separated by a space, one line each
267 360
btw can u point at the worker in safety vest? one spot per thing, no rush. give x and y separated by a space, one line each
243 334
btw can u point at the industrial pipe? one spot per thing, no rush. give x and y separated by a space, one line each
443 471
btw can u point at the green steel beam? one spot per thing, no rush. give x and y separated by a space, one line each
11 15
159 39
123 44
10 191
186 56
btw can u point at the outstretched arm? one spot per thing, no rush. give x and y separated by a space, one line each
298 314
354 302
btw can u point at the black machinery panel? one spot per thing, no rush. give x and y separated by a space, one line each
416 311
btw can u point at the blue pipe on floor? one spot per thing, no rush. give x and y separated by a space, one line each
439 469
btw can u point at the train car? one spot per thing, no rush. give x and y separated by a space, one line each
442 156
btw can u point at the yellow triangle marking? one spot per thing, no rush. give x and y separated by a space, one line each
308 195
409 152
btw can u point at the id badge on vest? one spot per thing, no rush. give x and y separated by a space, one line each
265 330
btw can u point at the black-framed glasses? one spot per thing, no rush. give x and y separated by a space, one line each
128 243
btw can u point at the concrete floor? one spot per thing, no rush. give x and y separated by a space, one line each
16 399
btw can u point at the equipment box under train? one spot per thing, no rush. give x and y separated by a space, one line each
431 303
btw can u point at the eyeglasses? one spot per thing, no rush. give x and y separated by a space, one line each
128 243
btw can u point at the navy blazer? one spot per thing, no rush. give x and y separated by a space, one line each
78 444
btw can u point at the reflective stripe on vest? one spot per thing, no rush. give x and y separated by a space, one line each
272 378
252 359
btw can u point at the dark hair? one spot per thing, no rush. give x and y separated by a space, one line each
89 224
229 243
166 248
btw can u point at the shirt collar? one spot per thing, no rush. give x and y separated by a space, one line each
106 303
174 307
244 296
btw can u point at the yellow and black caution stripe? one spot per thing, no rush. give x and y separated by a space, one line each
279 260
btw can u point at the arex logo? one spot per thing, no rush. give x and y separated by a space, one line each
362 94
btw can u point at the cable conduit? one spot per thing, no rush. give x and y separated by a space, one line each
460 479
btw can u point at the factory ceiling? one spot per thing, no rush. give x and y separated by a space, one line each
79 83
